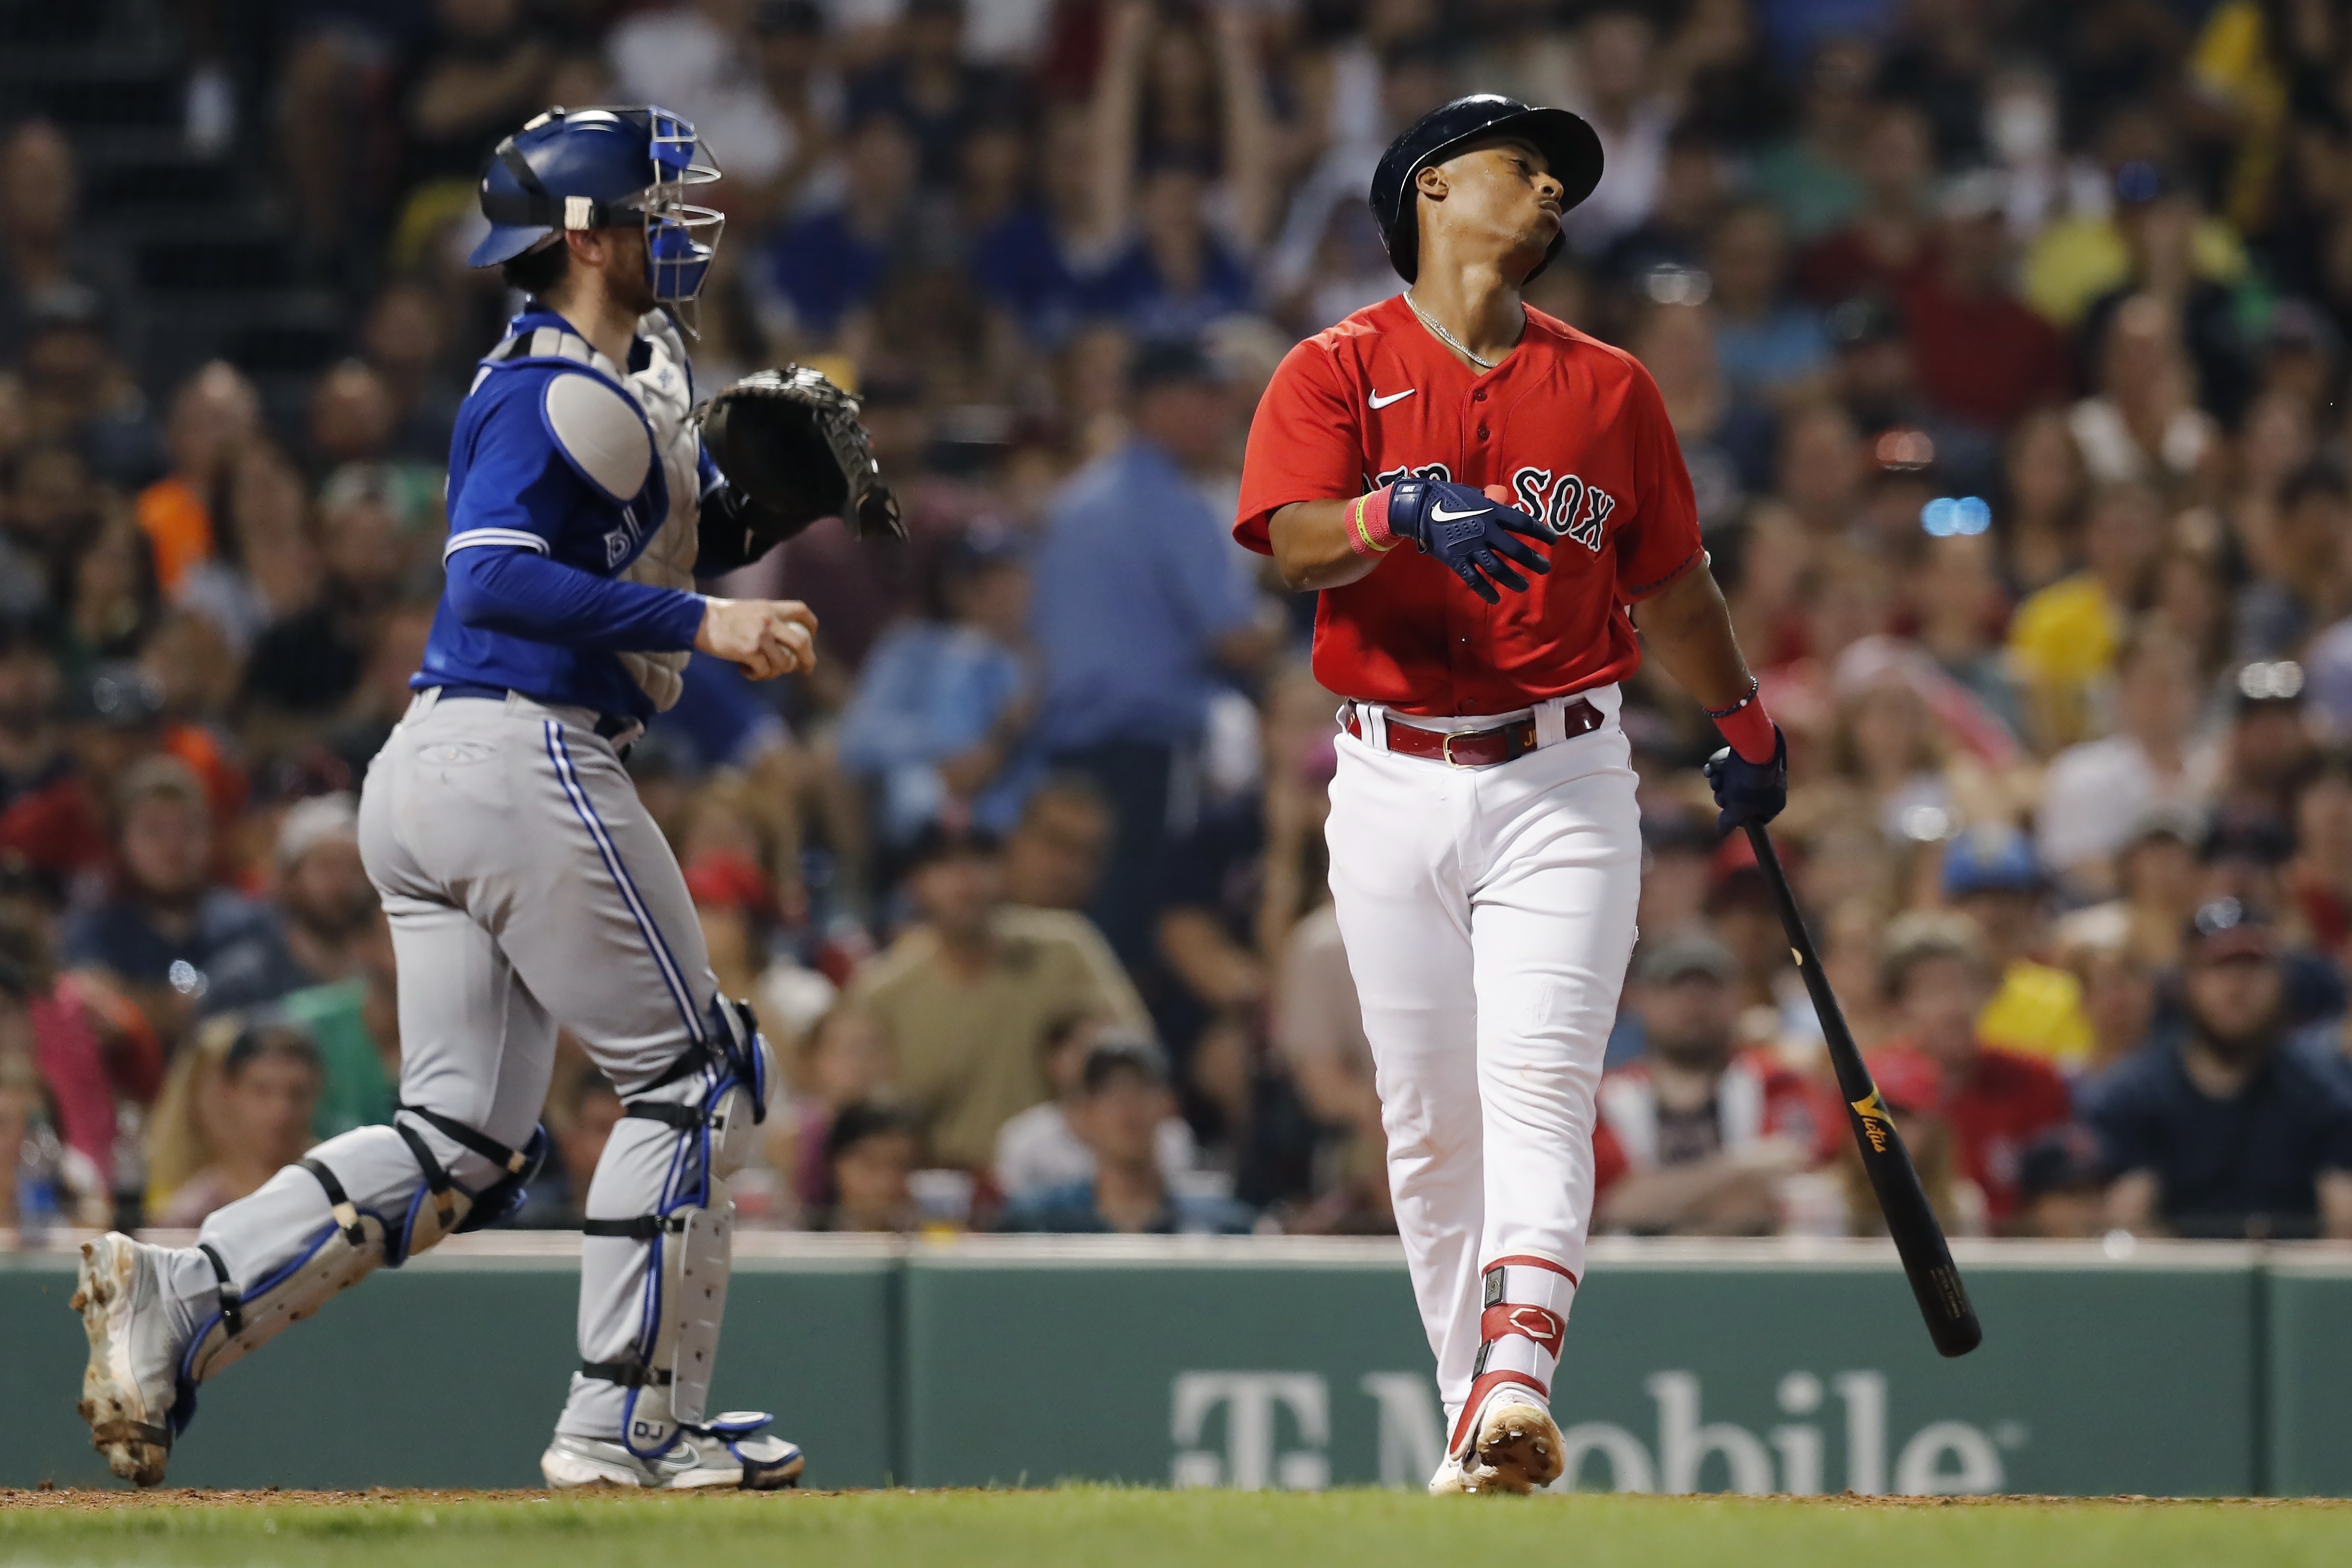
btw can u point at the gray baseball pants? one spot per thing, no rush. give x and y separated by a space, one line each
527 890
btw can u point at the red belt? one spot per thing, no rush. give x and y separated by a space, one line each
1478 748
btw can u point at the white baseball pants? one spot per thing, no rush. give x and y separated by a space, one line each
1488 917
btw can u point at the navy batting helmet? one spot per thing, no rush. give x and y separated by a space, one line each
604 168
1567 142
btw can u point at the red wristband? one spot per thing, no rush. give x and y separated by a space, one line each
1750 730
1368 524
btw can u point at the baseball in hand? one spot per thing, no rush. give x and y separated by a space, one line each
767 637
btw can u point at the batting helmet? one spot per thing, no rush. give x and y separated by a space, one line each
1567 142
604 168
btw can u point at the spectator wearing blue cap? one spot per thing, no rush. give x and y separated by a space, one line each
1991 874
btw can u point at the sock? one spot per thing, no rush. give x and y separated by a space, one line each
190 1290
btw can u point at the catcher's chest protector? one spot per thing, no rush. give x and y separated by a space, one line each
664 392
601 436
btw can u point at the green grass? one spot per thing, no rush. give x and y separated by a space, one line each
1147 1529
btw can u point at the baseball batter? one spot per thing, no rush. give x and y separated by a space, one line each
527 886
1486 848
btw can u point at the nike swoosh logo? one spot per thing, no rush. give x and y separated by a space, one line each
1380 402
1439 514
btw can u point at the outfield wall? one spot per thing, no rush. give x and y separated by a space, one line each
1770 1366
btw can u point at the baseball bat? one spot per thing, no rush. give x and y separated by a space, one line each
1918 1240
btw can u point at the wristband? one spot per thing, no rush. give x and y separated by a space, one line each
1755 687
1747 727
1368 524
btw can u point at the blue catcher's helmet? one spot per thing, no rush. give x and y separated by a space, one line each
604 168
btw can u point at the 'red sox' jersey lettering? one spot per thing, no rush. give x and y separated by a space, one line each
1567 506
1572 429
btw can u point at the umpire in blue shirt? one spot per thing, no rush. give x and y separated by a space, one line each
1143 608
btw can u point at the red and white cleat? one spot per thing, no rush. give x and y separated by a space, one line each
1511 1445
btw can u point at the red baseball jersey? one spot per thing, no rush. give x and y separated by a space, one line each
1577 432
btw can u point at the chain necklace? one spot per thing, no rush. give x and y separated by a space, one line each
1448 339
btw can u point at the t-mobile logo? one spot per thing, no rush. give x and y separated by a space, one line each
1251 1401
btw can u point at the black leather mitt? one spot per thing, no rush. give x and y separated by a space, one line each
790 447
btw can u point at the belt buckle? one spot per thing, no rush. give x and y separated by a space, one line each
1445 750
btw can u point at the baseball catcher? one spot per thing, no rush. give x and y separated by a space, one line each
527 886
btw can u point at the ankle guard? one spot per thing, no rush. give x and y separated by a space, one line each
1527 1302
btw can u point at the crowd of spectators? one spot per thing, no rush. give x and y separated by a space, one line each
2004 342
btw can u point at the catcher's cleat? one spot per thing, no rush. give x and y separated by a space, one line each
726 1451
1512 1446
129 1386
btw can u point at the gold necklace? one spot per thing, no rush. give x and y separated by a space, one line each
1448 339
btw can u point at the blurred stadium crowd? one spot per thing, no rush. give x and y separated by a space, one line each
2004 342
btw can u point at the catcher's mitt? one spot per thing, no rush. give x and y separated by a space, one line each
791 448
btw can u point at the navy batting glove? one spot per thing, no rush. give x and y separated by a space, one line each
1467 531
1749 792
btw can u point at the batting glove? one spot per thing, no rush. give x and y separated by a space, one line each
1468 532
1749 792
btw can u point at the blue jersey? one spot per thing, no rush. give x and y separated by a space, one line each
553 495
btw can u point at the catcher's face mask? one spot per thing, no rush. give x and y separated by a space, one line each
680 238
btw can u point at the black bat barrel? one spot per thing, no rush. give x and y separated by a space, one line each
1910 1219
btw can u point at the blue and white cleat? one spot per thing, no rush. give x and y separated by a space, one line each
129 1387
728 1450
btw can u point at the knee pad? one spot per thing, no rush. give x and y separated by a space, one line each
715 1099
740 1103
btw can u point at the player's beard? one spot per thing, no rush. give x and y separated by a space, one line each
626 274
2241 1046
